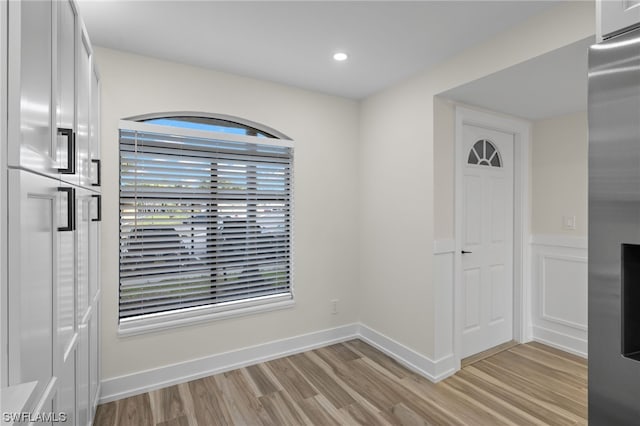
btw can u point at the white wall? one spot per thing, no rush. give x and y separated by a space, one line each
444 134
559 152
397 175
325 129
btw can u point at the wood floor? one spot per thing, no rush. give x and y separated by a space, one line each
352 383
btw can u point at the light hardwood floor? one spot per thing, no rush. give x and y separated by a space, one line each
352 383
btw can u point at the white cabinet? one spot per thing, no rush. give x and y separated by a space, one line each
65 94
51 177
32 145
66 398
616 16
49 90
89 214
83 106
33 267
82 375
94 130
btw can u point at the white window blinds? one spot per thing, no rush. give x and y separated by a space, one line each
204 221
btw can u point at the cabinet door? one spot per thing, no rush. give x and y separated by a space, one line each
65 314
66 397
31 141
96 172
83 251
94 359
33 238
67 30
616 15
87 377
83 105
95 218
82 374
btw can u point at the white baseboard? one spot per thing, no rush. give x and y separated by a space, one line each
432 370
560 341
156 378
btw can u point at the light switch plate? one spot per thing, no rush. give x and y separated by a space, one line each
569 222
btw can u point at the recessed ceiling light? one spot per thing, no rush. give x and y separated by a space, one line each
340 56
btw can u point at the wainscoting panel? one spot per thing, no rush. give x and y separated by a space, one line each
559 287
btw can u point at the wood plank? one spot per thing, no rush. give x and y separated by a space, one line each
330 362
516 401
465 409
499 407
243 405
135 411
551 360
178 421
359 415
166 404
263 383
343 352
316 413
187 401
291 380
386 393
321 381
561 382
405 416
536 389
106 414
550 403
393 366
208 403
486 354
281 410
562 354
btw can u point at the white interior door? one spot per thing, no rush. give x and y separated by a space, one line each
487 239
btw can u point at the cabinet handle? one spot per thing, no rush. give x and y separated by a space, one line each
98 167
71 209
98 218
71 151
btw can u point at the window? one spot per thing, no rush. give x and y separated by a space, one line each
205 219
484 153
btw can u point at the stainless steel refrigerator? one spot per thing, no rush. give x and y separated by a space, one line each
614 231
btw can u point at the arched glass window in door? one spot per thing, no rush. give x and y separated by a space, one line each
484 153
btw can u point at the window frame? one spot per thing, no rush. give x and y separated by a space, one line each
198 314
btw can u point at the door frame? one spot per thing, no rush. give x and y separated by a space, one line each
521 130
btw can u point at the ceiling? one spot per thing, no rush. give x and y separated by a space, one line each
292 42
546 86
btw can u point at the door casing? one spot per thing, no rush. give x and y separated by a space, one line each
521 130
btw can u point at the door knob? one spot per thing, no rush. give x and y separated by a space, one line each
465 252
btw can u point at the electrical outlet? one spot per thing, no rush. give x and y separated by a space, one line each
334 306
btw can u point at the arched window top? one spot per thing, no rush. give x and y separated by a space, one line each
211 122
484 153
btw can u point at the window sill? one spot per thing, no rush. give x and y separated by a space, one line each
198 315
